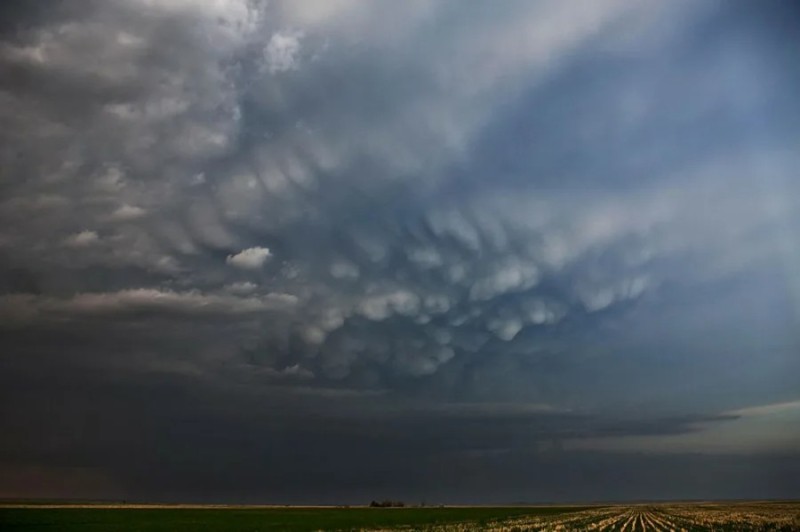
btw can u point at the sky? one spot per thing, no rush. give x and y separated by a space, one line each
333 251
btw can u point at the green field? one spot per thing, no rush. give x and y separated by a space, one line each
255 519
700 516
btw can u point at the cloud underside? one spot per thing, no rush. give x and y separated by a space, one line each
258 445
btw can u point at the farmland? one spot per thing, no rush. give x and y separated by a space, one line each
695 516
689 517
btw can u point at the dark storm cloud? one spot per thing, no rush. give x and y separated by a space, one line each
159 436
588 208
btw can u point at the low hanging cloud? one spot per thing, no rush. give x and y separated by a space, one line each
29 309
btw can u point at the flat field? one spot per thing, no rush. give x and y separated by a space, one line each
233 518
694 516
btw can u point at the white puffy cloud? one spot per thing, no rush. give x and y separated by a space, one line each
127 212
282 50
250 258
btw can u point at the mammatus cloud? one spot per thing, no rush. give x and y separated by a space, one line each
195 150
506 329
506 278
380 307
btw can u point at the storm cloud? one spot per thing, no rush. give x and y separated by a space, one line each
299 233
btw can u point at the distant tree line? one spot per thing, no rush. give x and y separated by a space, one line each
387 504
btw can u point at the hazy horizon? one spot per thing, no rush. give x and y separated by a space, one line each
328 251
